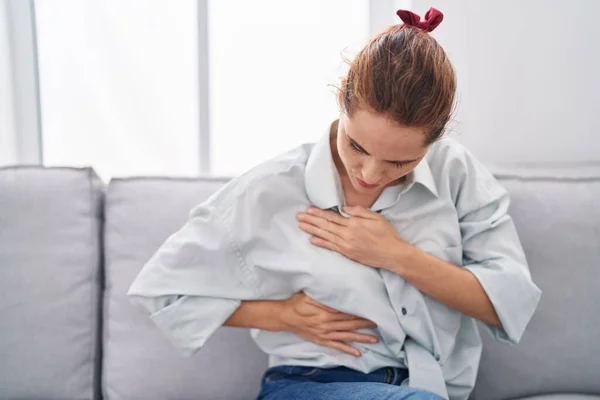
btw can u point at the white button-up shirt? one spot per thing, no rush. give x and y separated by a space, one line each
244 243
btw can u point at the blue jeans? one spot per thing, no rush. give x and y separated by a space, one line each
340 383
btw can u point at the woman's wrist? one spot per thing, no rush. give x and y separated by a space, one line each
259 314
276 316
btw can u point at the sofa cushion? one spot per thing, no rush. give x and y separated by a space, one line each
49 282
557 214
139 362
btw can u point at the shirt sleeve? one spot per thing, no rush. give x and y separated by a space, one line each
492 250
194 281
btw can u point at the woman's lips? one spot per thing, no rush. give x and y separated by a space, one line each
365 185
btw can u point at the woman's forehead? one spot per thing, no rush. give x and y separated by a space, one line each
383 138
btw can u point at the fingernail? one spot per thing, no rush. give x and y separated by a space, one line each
357 353
373 340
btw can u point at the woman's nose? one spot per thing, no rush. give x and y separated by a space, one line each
371 174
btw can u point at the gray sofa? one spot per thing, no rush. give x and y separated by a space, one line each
70 246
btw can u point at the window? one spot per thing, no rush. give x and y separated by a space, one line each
119 80
119 85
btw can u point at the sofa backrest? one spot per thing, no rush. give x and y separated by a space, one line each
558 218
50 226
139 362
557 214
55 221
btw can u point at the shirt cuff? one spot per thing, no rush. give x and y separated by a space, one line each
514 297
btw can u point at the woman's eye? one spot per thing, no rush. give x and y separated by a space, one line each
356 149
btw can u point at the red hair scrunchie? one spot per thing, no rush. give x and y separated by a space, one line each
432 19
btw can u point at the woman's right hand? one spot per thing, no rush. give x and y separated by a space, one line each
323 325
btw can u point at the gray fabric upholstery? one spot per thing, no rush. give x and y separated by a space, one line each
50 253
139 363
558 219
49 282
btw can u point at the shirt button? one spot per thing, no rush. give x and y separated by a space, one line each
404 312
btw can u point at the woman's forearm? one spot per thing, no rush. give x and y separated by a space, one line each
456 287
257 314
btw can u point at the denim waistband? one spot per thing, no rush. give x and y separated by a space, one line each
390 375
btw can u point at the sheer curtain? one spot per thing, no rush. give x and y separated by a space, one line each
8 139
119 86
119 80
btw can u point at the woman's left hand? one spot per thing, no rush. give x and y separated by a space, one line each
365 237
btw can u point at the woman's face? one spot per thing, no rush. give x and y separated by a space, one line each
376 152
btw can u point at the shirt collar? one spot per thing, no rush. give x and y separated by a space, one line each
321 179
324 187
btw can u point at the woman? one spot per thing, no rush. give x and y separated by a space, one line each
383 234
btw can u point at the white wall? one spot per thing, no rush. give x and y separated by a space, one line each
529 77
270 71
8 142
